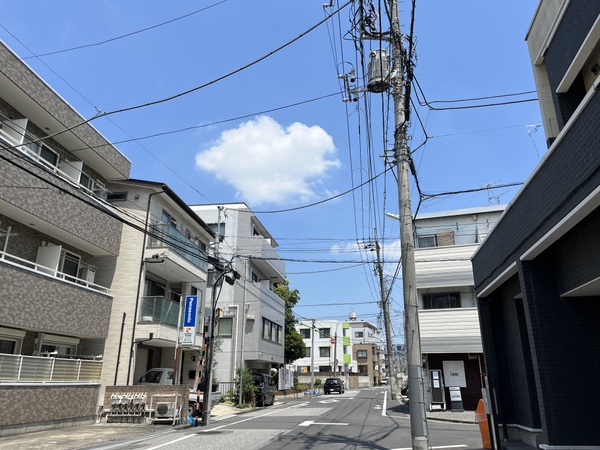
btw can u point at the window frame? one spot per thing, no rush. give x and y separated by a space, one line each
429 298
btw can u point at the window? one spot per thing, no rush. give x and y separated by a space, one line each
168 219
40 151
324 352
426 241
441 301
359 334
307 354
10 340
254 277
324 333
361 353
225 326
69 264
305 333
272 331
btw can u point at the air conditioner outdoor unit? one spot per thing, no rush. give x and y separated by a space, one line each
165 410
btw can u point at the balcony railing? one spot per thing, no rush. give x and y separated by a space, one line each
159 310
46 156
40 369
168 236
39 268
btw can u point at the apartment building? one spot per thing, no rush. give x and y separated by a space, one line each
250 327
537 275
448 320
350 349
163 260
55 227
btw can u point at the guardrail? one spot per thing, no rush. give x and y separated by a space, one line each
41 369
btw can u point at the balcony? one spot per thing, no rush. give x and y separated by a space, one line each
265 257
40 369
166 236
84 270
159 310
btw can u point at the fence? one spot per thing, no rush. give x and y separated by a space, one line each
40 369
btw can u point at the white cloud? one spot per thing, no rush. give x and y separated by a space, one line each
267 163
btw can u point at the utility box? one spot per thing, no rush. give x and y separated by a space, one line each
379 71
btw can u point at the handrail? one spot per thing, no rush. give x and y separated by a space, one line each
43 270
42 369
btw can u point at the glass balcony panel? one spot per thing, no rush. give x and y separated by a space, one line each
164 235
159 310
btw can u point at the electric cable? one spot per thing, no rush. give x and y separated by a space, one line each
116 38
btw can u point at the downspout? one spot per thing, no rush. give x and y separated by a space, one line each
139 286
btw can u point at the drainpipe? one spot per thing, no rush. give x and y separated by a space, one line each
139 286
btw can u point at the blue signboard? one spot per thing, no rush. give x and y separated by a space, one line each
191 307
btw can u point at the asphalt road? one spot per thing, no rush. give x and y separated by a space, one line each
353 420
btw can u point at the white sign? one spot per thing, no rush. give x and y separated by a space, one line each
455 394
454 373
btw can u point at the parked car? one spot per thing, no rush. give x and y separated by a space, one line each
159 375
333 385
265 391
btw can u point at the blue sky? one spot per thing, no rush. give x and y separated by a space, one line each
239 138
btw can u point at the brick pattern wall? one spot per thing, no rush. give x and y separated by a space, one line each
27 81
565 343
29 299
24 188
40 407
577 21
568 175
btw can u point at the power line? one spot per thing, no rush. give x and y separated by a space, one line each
196 88
116 38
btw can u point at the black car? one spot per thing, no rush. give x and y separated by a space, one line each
333 385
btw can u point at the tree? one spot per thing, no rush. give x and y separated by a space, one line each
294 345
248 387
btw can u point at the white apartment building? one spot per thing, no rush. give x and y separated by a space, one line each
341 348
448 319
250 329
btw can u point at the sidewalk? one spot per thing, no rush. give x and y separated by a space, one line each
445 416
96 434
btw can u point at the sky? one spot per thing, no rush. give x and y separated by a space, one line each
232 100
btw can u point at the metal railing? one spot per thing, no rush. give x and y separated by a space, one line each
168 236
41 369
39 268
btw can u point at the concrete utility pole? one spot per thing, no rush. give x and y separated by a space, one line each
312 359
216 284
385 306
418 418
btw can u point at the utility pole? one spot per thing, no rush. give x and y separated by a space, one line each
385 306
312 359
217 282
418 418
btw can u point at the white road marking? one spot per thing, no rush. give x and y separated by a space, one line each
329 401
310 422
